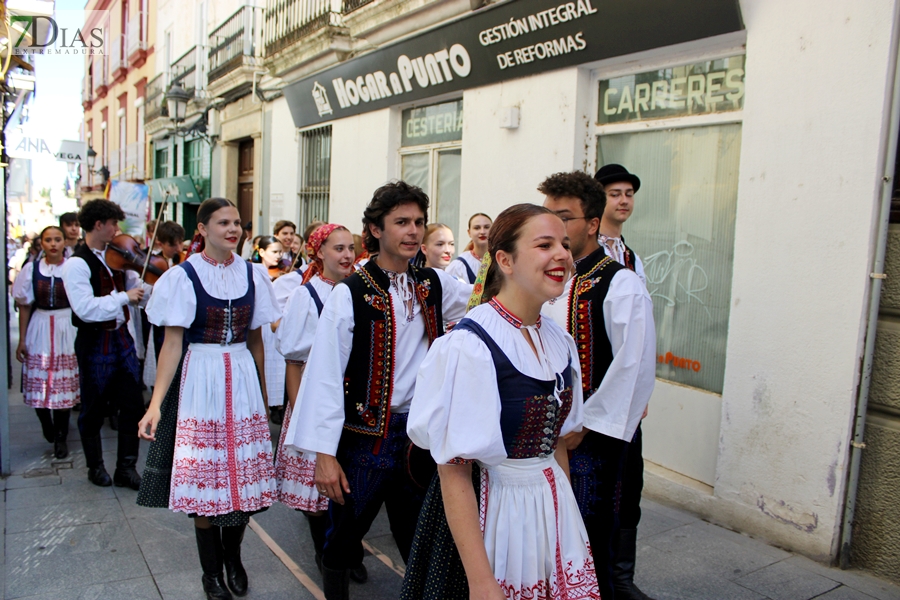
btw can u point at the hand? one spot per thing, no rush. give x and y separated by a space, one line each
330 479
21 353
646 412
150 420
135 294
487 590
573 440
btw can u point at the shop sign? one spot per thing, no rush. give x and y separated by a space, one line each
708 87
505 41
432 124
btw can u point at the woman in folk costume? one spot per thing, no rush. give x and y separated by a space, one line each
465 266
331 252
268 256
500 392
47 341
211 455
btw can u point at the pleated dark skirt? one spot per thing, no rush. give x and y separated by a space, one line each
435 570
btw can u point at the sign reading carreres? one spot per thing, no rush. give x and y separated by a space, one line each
505 41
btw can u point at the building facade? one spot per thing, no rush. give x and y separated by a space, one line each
765 136
114 91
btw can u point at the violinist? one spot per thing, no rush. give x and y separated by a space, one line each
107 361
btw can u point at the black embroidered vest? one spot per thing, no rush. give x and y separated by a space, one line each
585 323
103 284
369 378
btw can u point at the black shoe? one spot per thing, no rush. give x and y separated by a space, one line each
235 574
126 475
359 574
61 449
276 414
336 583
99 476
214 586
114 423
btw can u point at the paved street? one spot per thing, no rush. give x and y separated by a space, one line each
68 539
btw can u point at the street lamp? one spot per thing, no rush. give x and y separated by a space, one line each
91 160
177 100
91 157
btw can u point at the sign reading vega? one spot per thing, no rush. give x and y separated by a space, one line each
514 39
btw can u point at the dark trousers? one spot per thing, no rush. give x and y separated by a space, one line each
377 476
597 466
632 483
109 375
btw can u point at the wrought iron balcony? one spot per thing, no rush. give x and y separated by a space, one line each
237 42
187 70
87 95
351 5
118 66
100 68
287 21
155 99
137 40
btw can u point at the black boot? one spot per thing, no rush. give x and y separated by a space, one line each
623 569
46 423
359 574
234 570
114 422
61 425
276 414
93 454
126 475
336 583
209 544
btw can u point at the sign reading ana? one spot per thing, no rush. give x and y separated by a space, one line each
505 41
707 87
432 124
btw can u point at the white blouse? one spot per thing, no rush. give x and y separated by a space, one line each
23 290
299 319
174 304
284 286
455 412
457 269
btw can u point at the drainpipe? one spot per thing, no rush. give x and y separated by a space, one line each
889 135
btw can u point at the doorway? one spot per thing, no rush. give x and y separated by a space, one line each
245 180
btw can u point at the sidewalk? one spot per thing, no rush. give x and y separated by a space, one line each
65 538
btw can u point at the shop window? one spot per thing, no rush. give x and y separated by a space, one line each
431 157
315 175
197 165
682 227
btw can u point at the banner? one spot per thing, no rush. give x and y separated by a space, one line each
133 199
506 41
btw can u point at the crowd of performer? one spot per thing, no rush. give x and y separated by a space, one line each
491 402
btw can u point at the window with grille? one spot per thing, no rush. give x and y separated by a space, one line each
197 165
315 175
161 163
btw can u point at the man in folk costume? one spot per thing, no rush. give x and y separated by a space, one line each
608 312
107 361
619 186
373 334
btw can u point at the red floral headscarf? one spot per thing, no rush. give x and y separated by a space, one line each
316 239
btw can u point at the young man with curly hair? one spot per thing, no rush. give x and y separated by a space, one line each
108 363
373 334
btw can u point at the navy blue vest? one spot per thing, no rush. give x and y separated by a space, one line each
216 317
49 293
530 416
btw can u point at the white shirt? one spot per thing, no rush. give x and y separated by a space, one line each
76 275
320 402
174 303
284 286
616 407
23 289
299 320
456 409
458 270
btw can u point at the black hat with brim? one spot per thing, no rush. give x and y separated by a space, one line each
613 173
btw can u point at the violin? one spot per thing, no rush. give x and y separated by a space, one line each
124 253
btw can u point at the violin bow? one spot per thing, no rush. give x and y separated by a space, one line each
162 209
